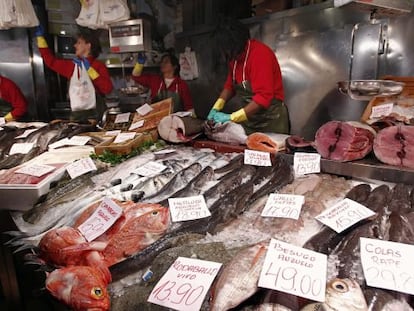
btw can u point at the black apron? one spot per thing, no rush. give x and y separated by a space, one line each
274 119
83 116
165 93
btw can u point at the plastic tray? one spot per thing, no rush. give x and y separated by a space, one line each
22 197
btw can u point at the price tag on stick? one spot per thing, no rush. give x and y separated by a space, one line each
101 220
306 163
149 169
388 264
294 270
23 148
144 109
344 214
283 205
381 110
185 284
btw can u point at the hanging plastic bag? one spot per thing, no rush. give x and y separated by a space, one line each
89 14
25 14
112 11
188 65
7 15
81 90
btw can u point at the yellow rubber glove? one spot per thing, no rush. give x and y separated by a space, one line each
41 42
219 104
238 116
8 117
137 69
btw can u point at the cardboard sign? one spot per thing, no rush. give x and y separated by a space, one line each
188 208
185 284
283 205
258 158
36 169
78 140
344 214
388 264
113 133
294 270
26 133
144 109
101 220
23 148
122 117
80 167
123 137
381 110
136 125
150 169
306 163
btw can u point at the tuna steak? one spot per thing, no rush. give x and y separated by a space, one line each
394 145
344 141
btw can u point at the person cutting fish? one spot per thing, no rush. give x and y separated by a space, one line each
13 104
165 85
254 77
89 78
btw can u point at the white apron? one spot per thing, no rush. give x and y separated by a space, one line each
81 90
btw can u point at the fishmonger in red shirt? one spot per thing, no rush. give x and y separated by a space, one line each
13 104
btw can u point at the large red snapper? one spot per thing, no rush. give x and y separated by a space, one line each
81 287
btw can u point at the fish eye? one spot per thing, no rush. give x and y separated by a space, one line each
340 286
155 213
97 292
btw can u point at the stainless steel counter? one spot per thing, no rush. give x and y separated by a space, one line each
368 168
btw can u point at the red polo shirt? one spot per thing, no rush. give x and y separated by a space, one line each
11 93
262 70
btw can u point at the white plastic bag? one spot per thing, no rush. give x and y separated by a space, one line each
89 14
81 90
17 13
98 14
188 65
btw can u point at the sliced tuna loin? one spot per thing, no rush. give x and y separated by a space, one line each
395 145
344 141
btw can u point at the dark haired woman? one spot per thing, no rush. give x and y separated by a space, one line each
89 78
254 76
165 85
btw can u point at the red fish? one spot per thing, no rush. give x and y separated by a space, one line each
81 287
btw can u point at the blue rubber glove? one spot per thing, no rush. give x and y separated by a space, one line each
221 117
77 61
39 31
141 58
211 114
86 63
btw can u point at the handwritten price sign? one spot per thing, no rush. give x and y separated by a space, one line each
185 284
23 148
122 117
294 270
283 205
2 121
306 163
189 208
101 220
388 264
381 110
149 169
80 167
144 109
36 169
258 158
344 214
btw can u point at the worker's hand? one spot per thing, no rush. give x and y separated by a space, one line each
238 116
8 117
77 61
219 104
86 63
39 31
211 114
141 59
221 117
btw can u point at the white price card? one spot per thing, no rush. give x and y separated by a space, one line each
388 265
2 121
185 284
144 109
294 270
258 158
37 170
23 148
112 133
344 214
306 163
26 133
122 117
123 137
136 125
59 143
150 169
101 220
183 114
381 110
78 140
188 208
283 205
80 167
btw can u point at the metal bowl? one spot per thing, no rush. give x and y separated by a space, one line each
366 89
132 90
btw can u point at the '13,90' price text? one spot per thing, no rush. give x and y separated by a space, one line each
180 294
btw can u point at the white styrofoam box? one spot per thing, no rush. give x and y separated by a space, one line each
23 197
